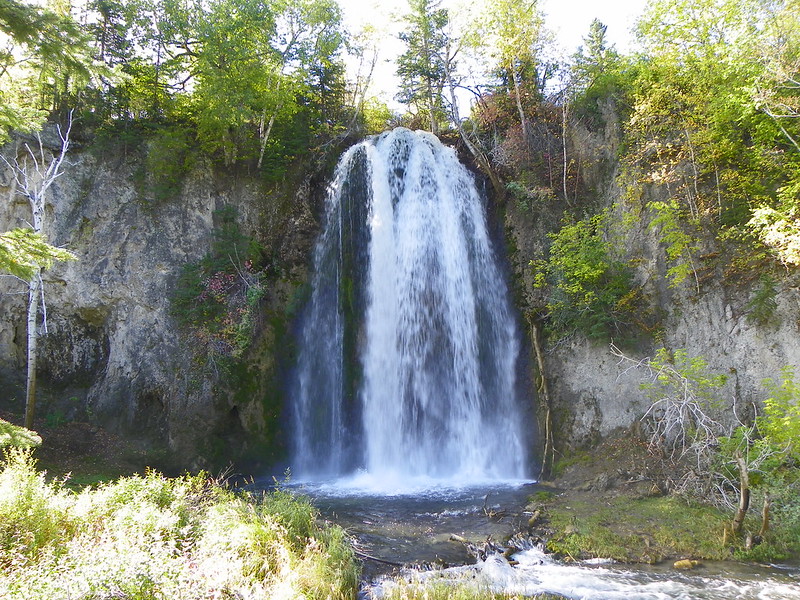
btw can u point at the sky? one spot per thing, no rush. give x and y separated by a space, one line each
568 19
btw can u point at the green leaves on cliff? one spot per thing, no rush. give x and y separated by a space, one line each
217 299
588 289
714 119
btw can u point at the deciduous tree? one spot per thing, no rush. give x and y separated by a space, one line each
35 170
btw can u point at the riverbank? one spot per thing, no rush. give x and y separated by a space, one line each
619 502
613 502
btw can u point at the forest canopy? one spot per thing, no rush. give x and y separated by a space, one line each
708 99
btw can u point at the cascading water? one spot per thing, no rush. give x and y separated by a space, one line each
408 348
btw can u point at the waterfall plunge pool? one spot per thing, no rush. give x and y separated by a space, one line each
411 523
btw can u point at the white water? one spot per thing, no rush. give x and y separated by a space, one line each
409 347
538 573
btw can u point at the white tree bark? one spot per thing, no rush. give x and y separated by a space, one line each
34 173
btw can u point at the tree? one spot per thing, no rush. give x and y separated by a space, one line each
34 174
421 67
23 253
594 58
512 31
45 50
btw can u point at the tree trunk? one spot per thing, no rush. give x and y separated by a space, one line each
744 496
265 137
480 157
564 146
765 517
33 177
34 291
518 97
548 454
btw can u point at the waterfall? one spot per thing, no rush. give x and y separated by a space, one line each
409 346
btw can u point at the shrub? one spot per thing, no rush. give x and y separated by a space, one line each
148 537
589 290
217 298
761 307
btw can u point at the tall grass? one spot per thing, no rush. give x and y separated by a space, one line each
150 537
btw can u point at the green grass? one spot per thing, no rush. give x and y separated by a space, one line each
151 537
638 530
454 591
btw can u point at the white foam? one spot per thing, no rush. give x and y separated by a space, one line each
392 484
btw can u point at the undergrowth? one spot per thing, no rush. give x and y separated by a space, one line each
151 537
640 530
454 591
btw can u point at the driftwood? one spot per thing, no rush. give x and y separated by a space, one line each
366 556
487 548
492 514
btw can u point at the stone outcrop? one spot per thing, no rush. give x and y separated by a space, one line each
593 394
112 351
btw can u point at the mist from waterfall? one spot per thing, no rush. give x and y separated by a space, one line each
408 346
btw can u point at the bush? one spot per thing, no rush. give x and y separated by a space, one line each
217 298
148 537
170 157
589 290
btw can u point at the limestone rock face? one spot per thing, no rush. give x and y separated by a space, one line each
112 349
593 394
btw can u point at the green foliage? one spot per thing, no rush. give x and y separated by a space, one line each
23 253
46 55
457 590
541 497
761 307
780 424
217 299
33 513
713 123
170 157
589 290
778 229
421 67
148 537
376 116
17 437
771 454
680 246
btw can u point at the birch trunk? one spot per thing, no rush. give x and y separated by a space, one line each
34 291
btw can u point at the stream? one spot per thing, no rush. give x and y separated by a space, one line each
412 525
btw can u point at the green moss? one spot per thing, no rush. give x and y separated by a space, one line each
638 530
564 463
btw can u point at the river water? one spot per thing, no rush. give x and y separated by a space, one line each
411 523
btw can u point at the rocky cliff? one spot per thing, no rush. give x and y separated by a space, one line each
594 393
112 351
